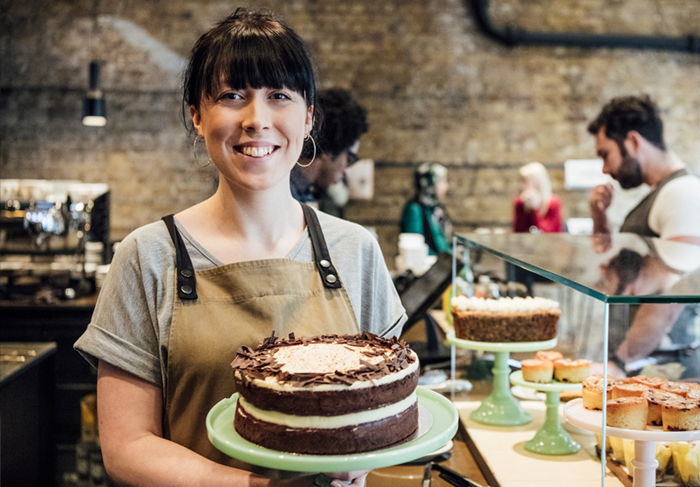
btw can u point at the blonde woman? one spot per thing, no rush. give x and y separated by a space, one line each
536 208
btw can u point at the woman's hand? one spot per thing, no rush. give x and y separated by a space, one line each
531 198
343 479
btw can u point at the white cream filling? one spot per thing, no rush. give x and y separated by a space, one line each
463 303
325 422
271 382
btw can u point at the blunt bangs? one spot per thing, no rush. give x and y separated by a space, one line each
249 49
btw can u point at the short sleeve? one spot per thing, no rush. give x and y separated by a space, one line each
388 314
676 210
124 329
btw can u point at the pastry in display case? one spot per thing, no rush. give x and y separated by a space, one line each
628 308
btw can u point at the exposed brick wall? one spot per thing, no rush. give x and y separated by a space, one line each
435 87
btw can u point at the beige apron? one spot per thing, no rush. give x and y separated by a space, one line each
223 308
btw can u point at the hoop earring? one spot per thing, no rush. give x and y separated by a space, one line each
314 157
194 152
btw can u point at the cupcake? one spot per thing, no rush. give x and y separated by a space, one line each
548 355
627 413
592 392
686 463
680 388
628 390
617 449
651 382
571 371
655 399
680 414
537 370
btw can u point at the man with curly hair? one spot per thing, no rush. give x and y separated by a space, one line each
343 121
629 139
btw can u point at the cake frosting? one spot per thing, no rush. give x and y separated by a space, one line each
463 303
327 395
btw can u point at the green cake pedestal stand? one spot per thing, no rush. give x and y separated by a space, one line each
500 408
551 438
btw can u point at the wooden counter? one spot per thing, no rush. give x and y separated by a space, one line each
502 452
495 456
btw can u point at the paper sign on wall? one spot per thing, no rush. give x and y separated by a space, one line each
360 177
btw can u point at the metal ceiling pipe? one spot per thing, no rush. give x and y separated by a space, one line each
514 36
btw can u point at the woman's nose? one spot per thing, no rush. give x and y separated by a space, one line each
256 115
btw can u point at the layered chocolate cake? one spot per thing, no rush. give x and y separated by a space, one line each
505 319
328 394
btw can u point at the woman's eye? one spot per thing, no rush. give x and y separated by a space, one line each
230 96
281 96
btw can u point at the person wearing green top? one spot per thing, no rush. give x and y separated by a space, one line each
424 213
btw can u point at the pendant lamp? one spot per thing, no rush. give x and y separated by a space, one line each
94 114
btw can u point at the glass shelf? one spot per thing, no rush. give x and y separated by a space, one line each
623 297
599 265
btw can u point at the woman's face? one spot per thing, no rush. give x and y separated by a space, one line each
254 136
441 188
524 183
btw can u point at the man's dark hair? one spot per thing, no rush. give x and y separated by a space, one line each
343 121
625 113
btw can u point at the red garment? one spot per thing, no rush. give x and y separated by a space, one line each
549 223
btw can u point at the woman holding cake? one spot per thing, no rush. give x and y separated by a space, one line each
183 295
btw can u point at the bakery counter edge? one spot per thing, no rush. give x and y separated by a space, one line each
28 305
61 323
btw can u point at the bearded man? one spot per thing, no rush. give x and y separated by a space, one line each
629 138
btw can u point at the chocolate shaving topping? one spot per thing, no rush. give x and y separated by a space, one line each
260 363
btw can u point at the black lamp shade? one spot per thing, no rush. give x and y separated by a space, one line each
94 111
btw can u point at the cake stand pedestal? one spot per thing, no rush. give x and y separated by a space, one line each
500 408
551 439
644 462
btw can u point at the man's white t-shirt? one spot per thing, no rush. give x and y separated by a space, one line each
676 209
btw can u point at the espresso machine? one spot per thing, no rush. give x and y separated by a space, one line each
53 235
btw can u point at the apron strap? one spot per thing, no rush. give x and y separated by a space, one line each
329 275
186 284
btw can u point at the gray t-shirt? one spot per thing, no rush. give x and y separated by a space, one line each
130 327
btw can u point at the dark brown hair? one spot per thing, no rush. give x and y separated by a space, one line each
625 113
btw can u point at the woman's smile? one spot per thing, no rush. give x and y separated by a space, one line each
256 152
254 135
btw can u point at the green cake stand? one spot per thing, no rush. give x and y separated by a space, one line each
501 408
551 438
438 421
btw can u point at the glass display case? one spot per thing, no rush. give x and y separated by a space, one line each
628 303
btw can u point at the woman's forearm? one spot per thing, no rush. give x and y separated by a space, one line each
134 451
154 461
